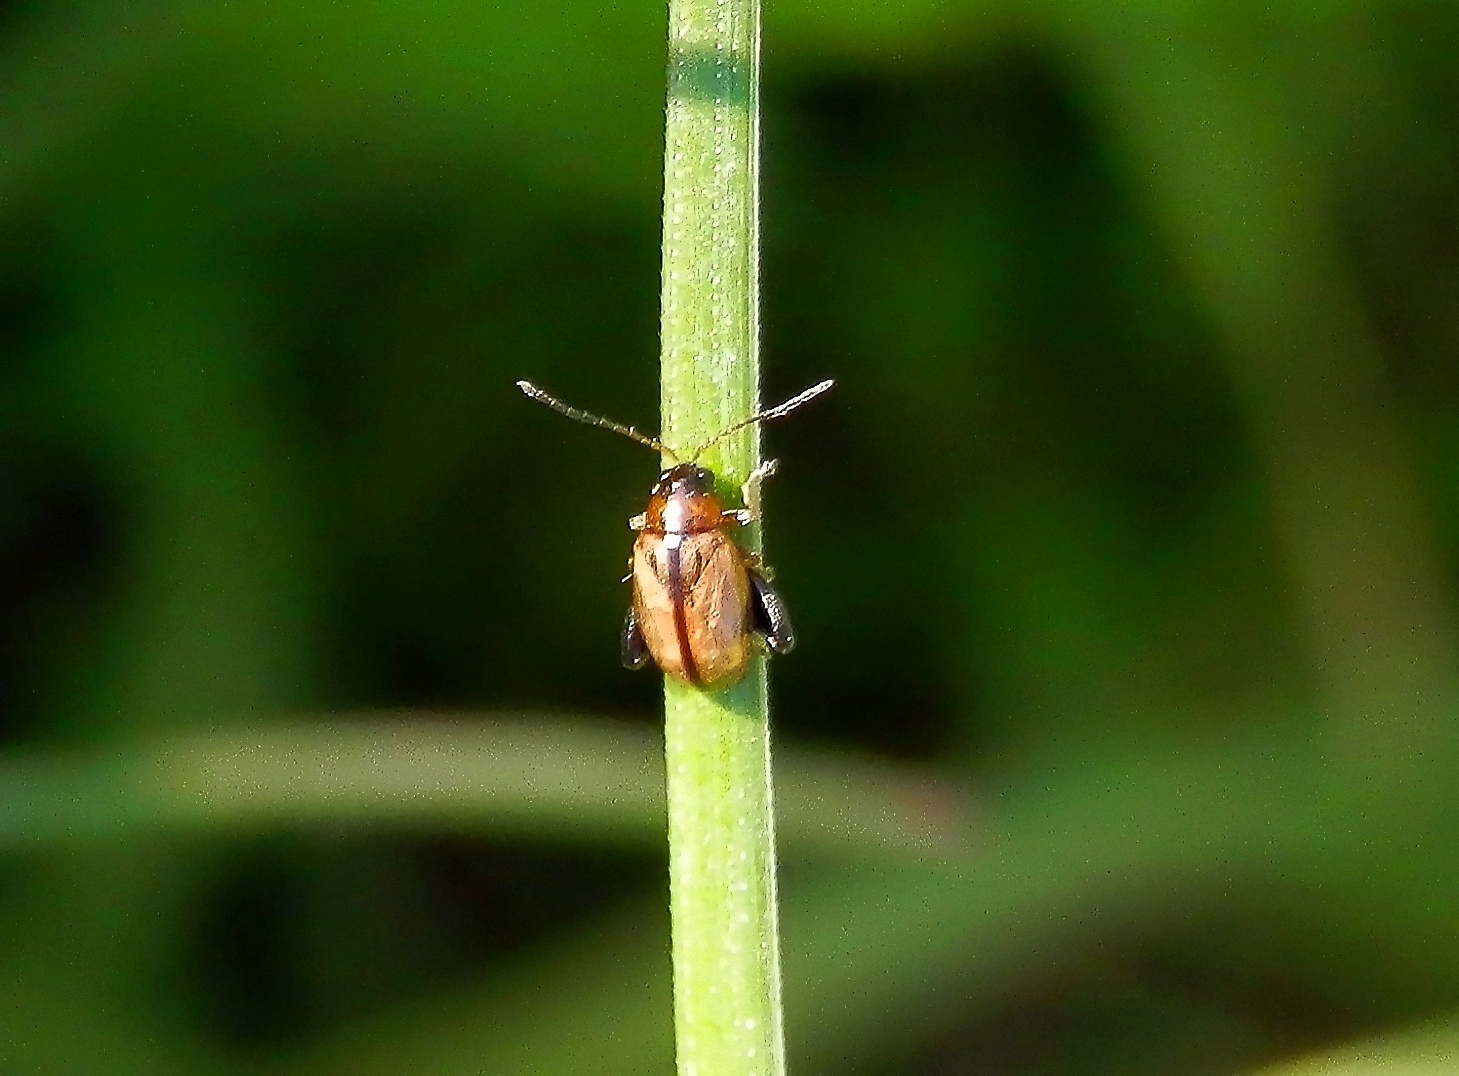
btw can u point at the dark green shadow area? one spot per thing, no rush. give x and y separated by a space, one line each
707 75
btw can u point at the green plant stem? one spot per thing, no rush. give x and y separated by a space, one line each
726 950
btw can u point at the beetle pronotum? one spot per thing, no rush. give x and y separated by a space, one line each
699 598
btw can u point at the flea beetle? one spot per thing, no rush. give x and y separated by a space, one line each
699 598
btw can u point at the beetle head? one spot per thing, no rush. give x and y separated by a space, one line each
684 479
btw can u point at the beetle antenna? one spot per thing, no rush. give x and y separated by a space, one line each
531 391
778 411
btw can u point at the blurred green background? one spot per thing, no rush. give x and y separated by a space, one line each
1122 557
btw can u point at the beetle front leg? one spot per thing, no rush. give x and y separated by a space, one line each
750 494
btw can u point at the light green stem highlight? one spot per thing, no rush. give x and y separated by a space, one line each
726 951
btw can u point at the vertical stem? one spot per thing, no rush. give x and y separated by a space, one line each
721 831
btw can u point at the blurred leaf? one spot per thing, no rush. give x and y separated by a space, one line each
1430 1052
537 776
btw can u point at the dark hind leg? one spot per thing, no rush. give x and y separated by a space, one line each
768 615
631 642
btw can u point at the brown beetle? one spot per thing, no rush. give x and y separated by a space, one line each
699 598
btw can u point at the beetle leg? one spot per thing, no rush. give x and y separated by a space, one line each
750 493
768 615
638 522
631 643
754 567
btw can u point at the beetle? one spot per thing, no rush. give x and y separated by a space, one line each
699 598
